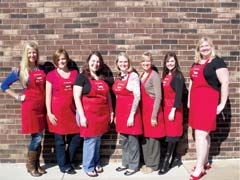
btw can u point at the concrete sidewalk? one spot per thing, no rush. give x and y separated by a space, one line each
221 170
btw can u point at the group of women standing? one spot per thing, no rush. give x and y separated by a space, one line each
146 106
141 109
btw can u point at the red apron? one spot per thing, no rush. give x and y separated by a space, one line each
173 128
96 109
33 107
63 106
147 103
124 101
203 101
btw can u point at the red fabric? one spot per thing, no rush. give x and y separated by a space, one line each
62 105
33 107
96 109
203 101
124 101
173 128
147 103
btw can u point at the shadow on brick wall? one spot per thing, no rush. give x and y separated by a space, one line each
222 131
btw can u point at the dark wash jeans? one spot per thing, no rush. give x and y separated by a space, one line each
65 156
36 139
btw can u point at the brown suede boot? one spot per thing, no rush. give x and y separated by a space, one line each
39 168
31 164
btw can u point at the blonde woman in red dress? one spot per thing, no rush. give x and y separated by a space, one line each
152 114
127 114
32 77
208 95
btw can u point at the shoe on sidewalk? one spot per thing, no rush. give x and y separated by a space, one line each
146 170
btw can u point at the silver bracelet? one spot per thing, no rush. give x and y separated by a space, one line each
18 98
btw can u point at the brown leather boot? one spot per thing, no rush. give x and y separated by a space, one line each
31 164
39 168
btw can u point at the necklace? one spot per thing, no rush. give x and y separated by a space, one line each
123 76
33 68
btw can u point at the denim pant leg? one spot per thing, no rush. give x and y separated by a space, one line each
60 152
36 140
89 147
97 152
74 142
125 151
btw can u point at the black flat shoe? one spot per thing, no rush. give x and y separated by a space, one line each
119 169
70 171
77 167
129 173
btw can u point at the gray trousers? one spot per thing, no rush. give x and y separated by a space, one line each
151 152
130 151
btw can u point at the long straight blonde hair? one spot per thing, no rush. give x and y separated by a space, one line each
24 64
198 55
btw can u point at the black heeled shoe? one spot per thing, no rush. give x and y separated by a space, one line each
176 162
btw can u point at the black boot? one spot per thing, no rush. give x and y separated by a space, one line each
176 159
166 162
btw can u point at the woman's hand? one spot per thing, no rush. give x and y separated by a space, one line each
52 119
83 121
220 107
130 121
171 115
154 122
112 117
21 97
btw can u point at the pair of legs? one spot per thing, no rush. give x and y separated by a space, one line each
151 152
91 155
34 152
170 155
202 142
65 156
130 152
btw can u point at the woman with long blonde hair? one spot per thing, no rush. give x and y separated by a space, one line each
32 78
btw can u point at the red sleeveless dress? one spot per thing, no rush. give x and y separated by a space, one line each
96 109
147 103
124 101
33 107
203 101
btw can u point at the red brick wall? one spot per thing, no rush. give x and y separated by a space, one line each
113 26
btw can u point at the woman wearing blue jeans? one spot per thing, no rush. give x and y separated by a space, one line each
32 77
93 102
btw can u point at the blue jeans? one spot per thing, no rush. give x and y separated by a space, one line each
36 140
65 157
91 153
